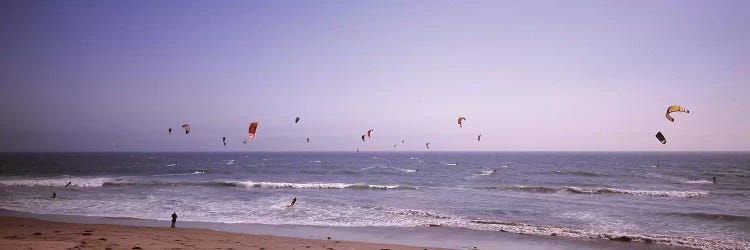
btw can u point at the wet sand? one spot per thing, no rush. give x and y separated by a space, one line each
27 233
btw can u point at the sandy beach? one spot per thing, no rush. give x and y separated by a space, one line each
27 233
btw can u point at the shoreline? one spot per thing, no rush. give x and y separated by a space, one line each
30 233
273 236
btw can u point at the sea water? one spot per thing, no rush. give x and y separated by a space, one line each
653 198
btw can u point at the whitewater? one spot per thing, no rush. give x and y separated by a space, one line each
599 196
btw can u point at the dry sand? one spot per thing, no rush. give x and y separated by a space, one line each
25 233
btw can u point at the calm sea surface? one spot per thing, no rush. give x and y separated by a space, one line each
660 198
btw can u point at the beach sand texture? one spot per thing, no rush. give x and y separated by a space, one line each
25 233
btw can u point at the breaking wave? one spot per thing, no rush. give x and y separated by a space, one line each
699 182
316 185
605 190
252 184
58 182
523 228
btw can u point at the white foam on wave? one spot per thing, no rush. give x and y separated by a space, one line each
312 211
605 190
670 193
448 163
406 170
171 165
487 172
678 179
699 182
57 182
312 185
523 228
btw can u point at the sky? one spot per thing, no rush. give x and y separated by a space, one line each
527 75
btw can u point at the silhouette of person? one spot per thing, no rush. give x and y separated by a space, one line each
174 218
54 195
293 201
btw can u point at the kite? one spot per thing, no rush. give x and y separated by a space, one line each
479 137
460 121
363 137
251 130
186 127
224 140
296 120
170 131
675 108
369 132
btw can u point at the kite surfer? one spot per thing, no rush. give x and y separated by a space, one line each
293 201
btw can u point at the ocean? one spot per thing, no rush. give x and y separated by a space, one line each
667 199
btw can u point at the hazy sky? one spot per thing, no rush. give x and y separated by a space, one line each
528 75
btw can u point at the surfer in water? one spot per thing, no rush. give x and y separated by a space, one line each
293 201
66 185
714 179
54 195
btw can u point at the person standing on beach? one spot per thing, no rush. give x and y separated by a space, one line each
174 218
714 179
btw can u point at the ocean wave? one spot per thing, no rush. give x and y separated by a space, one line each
57 182
582 173
679 241
605 190
160 183
447 163
419 213
709 216
699 182
488 172
407 170
317 185
252 184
